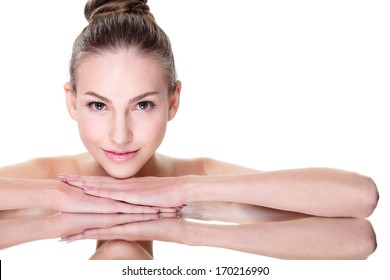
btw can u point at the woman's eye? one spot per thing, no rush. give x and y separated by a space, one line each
145 105
97 106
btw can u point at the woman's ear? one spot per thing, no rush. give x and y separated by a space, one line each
174 101
71 100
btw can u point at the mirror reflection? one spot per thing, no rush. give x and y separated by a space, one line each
240 227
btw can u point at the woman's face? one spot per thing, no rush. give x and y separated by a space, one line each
122 107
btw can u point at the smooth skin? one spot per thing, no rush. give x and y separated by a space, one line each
122 103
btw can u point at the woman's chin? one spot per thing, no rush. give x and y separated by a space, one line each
120 172
120 175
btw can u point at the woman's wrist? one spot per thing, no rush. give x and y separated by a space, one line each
51 194
189 188
202 188
41 194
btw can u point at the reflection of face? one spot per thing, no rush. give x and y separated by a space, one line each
122 108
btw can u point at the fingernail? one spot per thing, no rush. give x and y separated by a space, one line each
66 240
62 178
71 178
67 178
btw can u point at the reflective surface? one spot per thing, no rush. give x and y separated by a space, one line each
238 227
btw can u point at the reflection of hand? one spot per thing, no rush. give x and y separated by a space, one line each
166 229
75 223
151 191
35 227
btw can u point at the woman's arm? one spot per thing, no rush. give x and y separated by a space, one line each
313 191
54 194
30 185
18 193
26 185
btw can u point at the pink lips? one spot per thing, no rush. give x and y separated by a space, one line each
120 155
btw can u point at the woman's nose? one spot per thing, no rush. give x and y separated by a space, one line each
121 130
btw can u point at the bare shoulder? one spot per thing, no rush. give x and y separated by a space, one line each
44 167
204 167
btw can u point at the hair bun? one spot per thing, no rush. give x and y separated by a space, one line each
98 8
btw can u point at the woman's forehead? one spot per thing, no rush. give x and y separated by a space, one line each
120 68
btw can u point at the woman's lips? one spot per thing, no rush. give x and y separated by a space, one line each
120 155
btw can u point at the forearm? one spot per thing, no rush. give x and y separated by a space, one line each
314 191
22 193
308 238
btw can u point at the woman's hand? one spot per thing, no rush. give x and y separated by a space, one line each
163 192
54 194
77 200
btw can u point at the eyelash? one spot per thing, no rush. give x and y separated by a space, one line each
92 105
151 105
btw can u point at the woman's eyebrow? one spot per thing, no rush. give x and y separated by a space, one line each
142 96
105 99
132 100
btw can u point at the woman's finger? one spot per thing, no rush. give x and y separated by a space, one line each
122 207
94 181
105 205
127 197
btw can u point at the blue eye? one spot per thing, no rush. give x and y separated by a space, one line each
97 106
145 105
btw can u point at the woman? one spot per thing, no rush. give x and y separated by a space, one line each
122 92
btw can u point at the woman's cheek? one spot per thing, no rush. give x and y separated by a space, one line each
153 129
90 130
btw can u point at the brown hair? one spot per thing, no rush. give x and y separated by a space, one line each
121 24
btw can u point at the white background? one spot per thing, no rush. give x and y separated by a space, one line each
266 84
